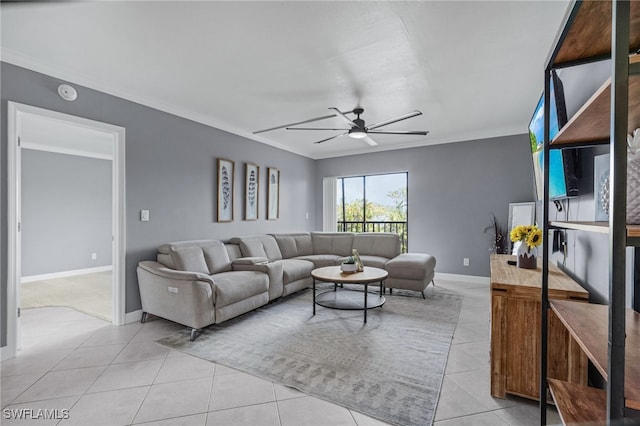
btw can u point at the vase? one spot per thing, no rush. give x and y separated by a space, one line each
527 257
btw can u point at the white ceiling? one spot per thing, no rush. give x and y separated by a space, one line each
473 68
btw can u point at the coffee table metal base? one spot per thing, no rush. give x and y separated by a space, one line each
350 300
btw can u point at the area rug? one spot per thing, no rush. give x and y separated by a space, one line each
390 368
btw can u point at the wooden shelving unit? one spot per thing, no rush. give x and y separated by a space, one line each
577 404
591 123
608 334
588 323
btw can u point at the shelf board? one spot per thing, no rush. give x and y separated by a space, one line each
590 33
588 323
592 122
599 227
577 404
633 231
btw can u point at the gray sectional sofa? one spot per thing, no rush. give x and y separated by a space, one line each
204 282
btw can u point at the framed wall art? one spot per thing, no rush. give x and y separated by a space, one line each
251 191
225 190
273 194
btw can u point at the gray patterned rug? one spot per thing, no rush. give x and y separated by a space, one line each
390 368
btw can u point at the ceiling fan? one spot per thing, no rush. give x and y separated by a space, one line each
357 129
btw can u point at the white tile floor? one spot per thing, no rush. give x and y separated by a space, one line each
106 375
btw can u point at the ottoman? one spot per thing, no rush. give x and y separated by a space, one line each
410 271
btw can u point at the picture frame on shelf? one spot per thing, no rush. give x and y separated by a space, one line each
273 193
601 187
251 191
225 190
521 214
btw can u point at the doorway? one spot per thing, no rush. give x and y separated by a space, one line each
25 123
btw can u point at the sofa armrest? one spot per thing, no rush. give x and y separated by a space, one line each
184 297
172 274
249 261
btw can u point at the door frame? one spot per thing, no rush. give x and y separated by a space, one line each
14 127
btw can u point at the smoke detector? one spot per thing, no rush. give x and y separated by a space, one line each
67 92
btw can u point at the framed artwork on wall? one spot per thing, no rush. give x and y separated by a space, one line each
225 190
273 194
251 191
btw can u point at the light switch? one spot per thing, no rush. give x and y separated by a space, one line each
144 215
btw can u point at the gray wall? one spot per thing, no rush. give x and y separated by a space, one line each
66 212
453 189
170 170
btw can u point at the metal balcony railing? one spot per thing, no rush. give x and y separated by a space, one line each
399 228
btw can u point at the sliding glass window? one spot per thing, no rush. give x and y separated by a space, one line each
374 203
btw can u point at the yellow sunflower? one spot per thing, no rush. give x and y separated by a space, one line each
534 237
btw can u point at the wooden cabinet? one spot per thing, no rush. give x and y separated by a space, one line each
515 330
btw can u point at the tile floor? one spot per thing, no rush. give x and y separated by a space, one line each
107 375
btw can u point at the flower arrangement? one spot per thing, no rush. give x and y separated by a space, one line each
529 234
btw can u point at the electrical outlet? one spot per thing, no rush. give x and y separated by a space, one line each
173 290
94 256
144 215
465 261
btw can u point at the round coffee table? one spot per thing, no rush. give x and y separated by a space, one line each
348 299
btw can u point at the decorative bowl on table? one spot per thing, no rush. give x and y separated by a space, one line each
349 268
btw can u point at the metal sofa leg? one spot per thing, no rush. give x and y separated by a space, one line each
144 318
433 282
422 292
194 334
390 291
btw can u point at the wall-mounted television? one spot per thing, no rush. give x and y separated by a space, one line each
563 164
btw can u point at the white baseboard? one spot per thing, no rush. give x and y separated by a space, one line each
466 278
134 316
5 353
65 274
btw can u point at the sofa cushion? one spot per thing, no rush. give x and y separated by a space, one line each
380 244
375 261
271 248
204 256
338 243
259 246
294 245
321 260
217 258
189 258
252 247
232 287
233 251
295 269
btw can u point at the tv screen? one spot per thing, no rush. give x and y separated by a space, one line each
562 163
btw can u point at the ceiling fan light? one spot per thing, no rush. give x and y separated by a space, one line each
357 134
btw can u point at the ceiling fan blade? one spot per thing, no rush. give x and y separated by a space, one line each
400 132
395 120
295 124
370 141
341 114
313 128
332 137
